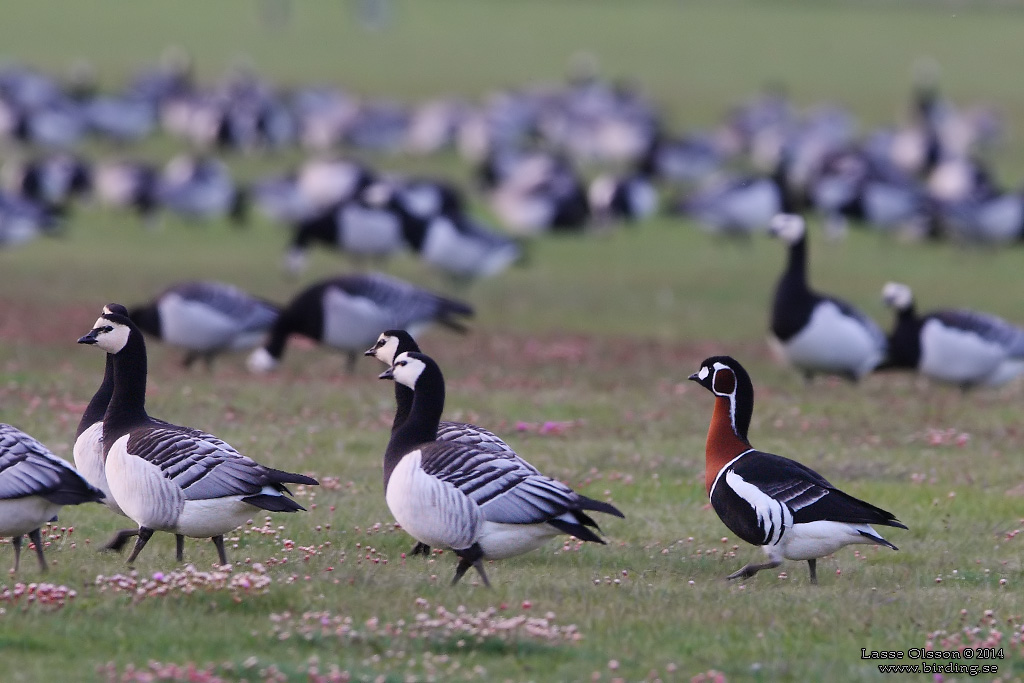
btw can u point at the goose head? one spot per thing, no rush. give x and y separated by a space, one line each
111 331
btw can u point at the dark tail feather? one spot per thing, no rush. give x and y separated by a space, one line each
878 539
585 503
74 491
451 308
273 503
578 530
282 477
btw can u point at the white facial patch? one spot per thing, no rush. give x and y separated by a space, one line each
407 370
787 226
387 351
114 340
704 372
897 295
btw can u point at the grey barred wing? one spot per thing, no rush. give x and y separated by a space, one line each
202 465
507 489
471 435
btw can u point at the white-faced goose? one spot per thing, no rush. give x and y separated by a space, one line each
788 509
480 503
960 347
815 333
171 478
348 312
206 319
34 485
392 343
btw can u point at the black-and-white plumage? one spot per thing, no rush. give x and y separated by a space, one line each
34 485
787 508
206 318
630 197
956 346
480 503
348 313
815 333
171 478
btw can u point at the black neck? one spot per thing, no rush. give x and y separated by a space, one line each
127 406
98 405
796 268
423 419
403 405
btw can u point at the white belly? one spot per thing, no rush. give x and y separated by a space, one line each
141 490
499 541
958 356
213 517
194 325
88 452
833 342
817 539
21 515
431 511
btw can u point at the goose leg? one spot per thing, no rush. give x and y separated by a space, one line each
219 542
16 542
420 549
119 539
350 365
179 547
145 533
190 358
751 569
813 564
37 538
471 557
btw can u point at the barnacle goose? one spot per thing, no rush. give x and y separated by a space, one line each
348 312
817 333
392 343
34 485
481 503
206 319
788 509
961 347
171 478
90 458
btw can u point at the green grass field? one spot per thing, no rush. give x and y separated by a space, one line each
598 333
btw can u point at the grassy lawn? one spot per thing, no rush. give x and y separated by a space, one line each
595 334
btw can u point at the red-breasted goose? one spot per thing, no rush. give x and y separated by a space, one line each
480 503
34 485
788 509
171 478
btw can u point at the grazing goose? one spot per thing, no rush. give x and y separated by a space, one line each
392 343
364 227
961 347
348 312
630 197
813 332
478 502
171 478
206 319
788 509
34 484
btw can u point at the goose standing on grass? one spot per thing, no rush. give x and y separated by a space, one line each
171 478
815 333
348 312
90 458
206 319
478 502
788 509
392 343
34 485
961 347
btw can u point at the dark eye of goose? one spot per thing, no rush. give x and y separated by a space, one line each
106 328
